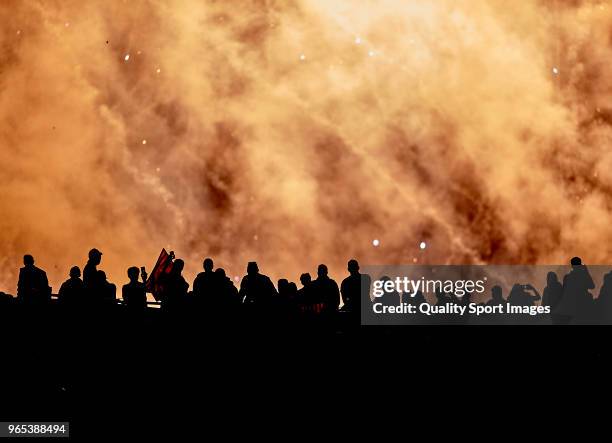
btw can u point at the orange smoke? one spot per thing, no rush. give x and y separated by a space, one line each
295 133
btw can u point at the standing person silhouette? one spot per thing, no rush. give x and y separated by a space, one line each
33 285
519 295
134 293
305 297
604 301
255 288
553 292
226 292
204 284
497 297
71 291
327 290
174 293
91 269
576 304
354 287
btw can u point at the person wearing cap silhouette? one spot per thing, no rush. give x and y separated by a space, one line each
90 270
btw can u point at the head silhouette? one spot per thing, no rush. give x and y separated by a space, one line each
177 266
552 279
576 261
283 285
28 260
101 276
208 264
322 271
252 268
95 256
133 273
353 266
305 279
75 272
220 272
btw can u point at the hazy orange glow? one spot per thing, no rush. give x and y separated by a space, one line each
299 132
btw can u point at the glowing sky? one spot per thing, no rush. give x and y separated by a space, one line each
294 133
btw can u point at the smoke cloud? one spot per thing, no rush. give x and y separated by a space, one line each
295 133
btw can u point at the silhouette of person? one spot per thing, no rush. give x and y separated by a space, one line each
90 270
105 291
283 288
174 293
326 289
553 291
33 286
134 293
576 302
604 301
305 296
497 297
415 300
354 287
255 288
441 298
205 283
390 298
71 291
520 297
228 293
286 298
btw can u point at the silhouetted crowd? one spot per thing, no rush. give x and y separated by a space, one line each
569 301
215 294
212 291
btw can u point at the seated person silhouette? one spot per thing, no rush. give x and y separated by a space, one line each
355 287
255 288
134 293
204 285
33 286
497 297
326 289
91 268
71 291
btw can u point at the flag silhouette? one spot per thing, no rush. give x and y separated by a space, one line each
162 268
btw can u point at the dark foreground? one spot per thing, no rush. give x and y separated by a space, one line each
112 371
